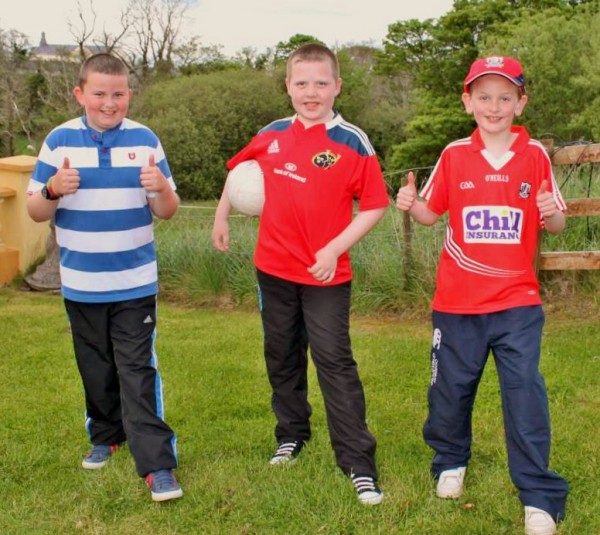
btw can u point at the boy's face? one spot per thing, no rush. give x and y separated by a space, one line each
312 88
494 101
105 98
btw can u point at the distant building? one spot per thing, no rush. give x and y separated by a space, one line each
46 52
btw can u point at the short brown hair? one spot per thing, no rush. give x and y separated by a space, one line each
313 52
102 63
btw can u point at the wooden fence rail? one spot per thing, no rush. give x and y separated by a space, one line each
573 260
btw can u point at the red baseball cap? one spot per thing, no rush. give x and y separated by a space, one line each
505 66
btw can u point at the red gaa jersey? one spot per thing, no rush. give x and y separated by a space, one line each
486 264
312 176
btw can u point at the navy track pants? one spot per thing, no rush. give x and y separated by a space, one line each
460 348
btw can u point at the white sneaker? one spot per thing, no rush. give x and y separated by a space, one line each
367 490
287 452
538 522
450 484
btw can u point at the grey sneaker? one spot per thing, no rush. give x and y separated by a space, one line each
163 485
287 452
98 456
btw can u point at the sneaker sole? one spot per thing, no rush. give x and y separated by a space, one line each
93 466
165 496
448 496
374 500
283 460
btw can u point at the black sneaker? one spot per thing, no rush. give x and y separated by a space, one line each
287 452
367 490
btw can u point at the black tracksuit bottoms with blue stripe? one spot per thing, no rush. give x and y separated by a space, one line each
298 316
460 348
114 349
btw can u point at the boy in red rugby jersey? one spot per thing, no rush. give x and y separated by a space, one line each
315 164
498 189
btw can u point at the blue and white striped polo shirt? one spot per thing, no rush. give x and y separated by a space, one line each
105 229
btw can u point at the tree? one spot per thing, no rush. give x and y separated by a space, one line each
436 56
14 102
587 83
284 48
156 27
559 52
84 31
203 120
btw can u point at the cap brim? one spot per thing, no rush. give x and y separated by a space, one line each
515 81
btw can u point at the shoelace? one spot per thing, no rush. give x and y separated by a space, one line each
163 479
285 448
100 451
364 484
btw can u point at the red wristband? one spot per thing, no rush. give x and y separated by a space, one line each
50 190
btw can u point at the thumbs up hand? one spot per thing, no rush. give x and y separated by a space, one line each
152 178
65 181
545 201
407 194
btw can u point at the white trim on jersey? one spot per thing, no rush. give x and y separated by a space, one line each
427 189
468 264
358 133
497 163
558 198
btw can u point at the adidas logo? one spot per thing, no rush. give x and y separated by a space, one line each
273 147
148 320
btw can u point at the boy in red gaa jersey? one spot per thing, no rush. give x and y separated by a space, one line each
315 164
498 189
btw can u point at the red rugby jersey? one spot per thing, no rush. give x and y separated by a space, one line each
312 176
486 264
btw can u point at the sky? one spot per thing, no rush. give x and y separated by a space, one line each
235 24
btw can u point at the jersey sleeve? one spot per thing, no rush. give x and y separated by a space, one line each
249 152
547 173
435 190
370 189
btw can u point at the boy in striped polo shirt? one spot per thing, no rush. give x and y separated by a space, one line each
103 177
498 190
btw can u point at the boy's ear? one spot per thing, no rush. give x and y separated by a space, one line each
520 105
338 87
466 100
78 94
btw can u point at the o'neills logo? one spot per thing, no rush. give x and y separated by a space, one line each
326 159
492 224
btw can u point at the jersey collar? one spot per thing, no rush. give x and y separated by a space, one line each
519 144
335 121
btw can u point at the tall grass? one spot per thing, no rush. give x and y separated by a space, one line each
394 266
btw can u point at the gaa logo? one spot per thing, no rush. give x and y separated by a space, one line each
326 159
467 184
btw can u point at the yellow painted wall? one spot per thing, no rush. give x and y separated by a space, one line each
17 230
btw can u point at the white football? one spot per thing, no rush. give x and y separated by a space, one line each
245 188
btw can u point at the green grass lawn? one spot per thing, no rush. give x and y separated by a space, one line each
218 402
